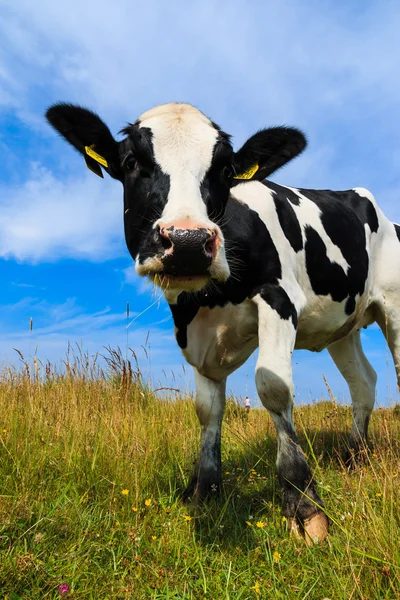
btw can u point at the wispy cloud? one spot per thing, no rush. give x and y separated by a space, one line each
58 325
68 325
21 284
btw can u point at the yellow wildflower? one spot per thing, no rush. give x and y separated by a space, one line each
249 524
188 518
378 495
4 430
125 492
276 556
256 588
147 502
134 508
116 523
154 537
260 524
284 519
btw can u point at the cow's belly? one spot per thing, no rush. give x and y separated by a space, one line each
323 322
221 339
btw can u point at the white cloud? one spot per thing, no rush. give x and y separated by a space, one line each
278 58
45 218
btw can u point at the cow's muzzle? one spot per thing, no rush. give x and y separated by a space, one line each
187 252
186 256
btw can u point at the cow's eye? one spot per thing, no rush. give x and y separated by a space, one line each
129 163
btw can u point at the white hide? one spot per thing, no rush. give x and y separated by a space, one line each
183 142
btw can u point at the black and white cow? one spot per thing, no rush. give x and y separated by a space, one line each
246 263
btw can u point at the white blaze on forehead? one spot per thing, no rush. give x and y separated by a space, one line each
183 142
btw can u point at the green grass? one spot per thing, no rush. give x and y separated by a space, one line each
70 446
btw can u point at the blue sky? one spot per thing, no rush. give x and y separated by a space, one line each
328 67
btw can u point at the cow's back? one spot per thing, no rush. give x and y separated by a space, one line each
330 245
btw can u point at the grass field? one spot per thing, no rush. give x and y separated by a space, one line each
91 470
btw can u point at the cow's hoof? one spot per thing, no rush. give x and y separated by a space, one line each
198 492
294 529
189 492
187 496
316 529
354 458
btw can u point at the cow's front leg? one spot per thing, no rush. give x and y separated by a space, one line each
210 406
277 331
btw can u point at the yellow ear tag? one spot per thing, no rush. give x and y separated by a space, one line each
247 174
90 152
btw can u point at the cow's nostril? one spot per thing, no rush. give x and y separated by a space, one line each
165 241
210 243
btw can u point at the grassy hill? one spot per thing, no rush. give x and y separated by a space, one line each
91 468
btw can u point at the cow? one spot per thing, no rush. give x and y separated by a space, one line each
244 263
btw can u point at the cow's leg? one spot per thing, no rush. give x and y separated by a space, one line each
301 503
388 319
351 361
210 406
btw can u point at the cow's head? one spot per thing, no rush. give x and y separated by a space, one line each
177 168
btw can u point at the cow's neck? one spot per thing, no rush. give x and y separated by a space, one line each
253 259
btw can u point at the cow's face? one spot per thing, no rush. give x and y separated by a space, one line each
177 176
177 168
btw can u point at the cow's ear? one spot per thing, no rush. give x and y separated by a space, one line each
86 132
266 151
